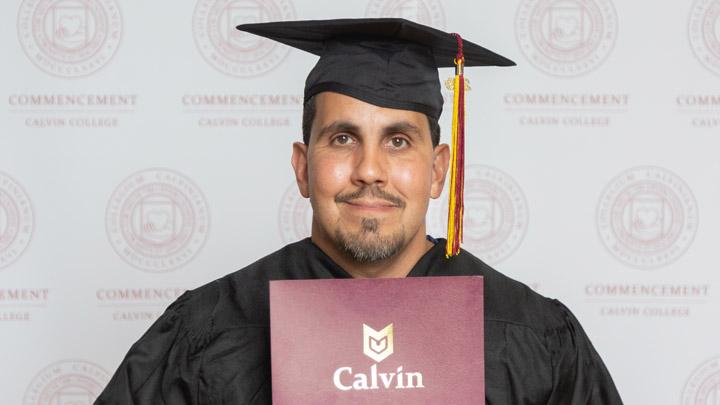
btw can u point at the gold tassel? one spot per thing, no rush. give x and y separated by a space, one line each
457 159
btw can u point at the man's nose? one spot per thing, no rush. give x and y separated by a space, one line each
370 166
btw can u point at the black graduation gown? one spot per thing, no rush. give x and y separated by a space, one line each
212 346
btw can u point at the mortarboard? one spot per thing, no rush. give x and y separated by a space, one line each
392 63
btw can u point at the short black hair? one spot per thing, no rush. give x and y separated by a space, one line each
309 110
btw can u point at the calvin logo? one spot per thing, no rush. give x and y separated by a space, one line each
377 345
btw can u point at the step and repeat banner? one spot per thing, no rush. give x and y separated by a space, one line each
145 146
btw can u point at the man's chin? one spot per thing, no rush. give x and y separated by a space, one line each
369 247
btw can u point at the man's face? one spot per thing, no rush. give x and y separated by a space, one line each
369 172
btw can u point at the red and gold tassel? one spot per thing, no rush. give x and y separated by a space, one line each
457 158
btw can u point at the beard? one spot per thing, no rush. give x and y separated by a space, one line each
367 245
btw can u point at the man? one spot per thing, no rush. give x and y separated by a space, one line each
369 162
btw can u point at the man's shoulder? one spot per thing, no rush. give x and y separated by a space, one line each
510 301
239 298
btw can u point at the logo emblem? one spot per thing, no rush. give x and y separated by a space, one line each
566 37
157 220
69 38
496 214
16 220
234 52
378 345
68 382
647 217
703 387
704 33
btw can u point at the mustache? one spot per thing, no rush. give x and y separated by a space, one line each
373 191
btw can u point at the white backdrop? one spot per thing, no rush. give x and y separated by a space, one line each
144 150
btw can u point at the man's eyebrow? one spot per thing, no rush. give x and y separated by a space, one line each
400 127
339 126
403 127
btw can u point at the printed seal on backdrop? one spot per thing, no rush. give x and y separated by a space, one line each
427 12
647 217
234 52
294 215
69 38
16 220
566 37
75 382
157 220
495 217
704 33
703 386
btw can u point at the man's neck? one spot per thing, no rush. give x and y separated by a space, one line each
397 266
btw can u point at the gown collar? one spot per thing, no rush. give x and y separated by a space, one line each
429 264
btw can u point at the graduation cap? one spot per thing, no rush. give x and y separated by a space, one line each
392 63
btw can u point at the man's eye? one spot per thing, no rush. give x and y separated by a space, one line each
342 139
399 142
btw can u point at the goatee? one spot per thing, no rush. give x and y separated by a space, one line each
367 245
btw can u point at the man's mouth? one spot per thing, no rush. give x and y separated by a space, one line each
371 204
371 198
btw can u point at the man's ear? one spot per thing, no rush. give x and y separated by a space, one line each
441 160
299 163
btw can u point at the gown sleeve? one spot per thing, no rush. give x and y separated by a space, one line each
162 367
579 375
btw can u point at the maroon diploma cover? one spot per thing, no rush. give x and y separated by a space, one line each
415 340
